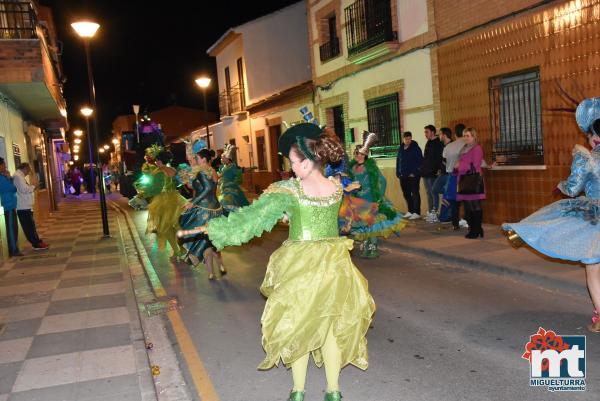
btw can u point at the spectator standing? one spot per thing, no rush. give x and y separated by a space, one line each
439 186
8 198
471 157
451 153
76 180
25 194
431 168
408 165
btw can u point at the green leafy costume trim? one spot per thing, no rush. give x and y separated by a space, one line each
373 172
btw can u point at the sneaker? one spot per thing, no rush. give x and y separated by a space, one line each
414 216
463 223
407 214
42 246
432 218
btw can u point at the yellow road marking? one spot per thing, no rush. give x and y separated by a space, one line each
200 376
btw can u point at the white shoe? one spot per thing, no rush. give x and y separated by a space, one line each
463 223
407 214
414 216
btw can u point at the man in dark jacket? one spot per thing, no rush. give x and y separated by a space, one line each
8 198
431 168
408 164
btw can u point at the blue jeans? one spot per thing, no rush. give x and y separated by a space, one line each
433 200
12 231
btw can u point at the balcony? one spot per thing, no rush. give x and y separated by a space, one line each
232 100
369 30
30 73
330 49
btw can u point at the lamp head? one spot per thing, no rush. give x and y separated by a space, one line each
136 109
78 132
115 141
85 29
203 82
106 147
86 111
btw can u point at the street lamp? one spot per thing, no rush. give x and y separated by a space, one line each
136 110
204 83
87 112
78 132
106 147
75 157
86 30
101 150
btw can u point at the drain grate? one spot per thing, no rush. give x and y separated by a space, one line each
40 256
161 306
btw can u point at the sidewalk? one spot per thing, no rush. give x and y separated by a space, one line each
69 323
493 253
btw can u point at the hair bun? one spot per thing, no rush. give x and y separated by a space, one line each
328 148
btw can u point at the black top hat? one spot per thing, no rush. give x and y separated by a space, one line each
291 135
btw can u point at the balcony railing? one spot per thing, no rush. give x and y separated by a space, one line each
330 49
232 100
368 23
17 20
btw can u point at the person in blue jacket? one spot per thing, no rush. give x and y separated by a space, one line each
408 164
8 198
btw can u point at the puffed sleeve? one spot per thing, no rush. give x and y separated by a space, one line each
573 185
245 223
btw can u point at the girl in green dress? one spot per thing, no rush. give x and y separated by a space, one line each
318 302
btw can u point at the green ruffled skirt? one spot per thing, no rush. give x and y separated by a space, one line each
164 212
313 286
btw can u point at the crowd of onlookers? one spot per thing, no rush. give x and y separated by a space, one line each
17 196
74 179
448 158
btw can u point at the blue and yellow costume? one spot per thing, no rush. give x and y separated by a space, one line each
205 207
231 195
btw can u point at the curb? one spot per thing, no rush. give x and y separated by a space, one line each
170 385
548 282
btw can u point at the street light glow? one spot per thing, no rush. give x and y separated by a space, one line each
78 132
75 157
106 147
75 150
101 150
203 82
86 111
115 141
77 140
85 29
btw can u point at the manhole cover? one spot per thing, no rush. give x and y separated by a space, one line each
40 256
161 306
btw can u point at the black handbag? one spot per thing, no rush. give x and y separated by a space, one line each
471 183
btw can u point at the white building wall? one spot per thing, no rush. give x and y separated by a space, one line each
276 52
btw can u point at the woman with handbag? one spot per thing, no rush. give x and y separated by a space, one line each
471 190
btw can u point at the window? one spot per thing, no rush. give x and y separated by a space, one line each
330 46
368 23
517 118
240 71
383 114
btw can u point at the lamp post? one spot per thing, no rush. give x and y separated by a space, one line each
136 111
203 83
86 30
87 112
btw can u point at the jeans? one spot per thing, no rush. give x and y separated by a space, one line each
28 225
410 190
12 231
433 201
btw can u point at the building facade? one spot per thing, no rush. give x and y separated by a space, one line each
264 79
507 68
32 106
372 72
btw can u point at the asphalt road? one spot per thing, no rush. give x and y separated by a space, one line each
440 332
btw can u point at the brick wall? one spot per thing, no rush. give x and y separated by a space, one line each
562 41
20 61
454 16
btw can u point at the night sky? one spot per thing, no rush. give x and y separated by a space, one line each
146 52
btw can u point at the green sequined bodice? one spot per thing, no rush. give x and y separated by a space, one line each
313 218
